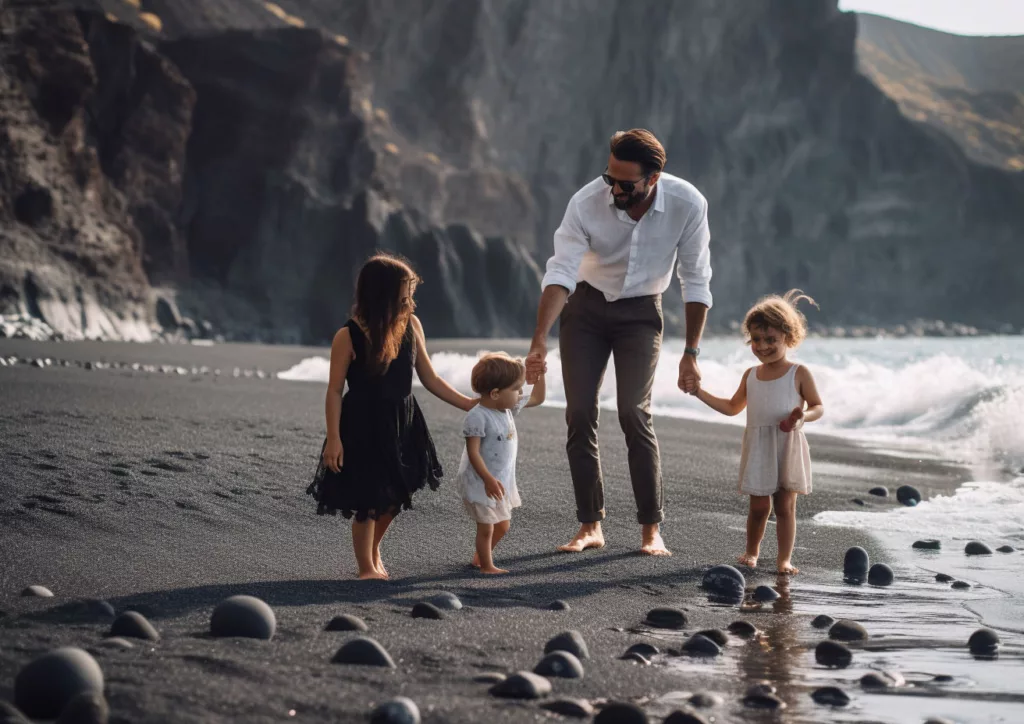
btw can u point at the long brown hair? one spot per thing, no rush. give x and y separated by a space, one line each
382 308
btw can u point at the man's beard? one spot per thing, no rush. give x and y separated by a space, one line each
631 200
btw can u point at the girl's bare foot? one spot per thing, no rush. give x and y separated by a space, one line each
373 575
747 560
492 570
378 565
476 560
787 569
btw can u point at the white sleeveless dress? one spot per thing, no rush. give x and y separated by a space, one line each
773 460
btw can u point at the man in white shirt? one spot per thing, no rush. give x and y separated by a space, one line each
614 252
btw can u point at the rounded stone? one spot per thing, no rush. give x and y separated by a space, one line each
636 658
346 622
682 716
942 678
846 630
830 696
560 664
977 548
48 683
765 594
89 707
1006 549
938 720
908 495
37 592
8 713
670 618
833 655
704 700
446 601
490 677
822 621
983 641
245 617
133 625
559 605
875 680
717 635
881 491
724 581
400 710
618 712
943 577
115 643
761 687
428 611
743 629
570 641
698 645
363 651
929 544
961 585
769 702
856 563
522 685
643 649
858 501
575 708
880 575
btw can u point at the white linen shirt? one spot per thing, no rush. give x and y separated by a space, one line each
601 245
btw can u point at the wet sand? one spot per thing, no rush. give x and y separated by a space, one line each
168 491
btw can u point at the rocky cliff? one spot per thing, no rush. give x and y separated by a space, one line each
455 130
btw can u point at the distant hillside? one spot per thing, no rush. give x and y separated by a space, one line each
971 88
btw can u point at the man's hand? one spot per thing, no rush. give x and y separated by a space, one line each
494 488
689 374
536 362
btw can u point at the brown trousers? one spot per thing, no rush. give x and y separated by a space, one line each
591 330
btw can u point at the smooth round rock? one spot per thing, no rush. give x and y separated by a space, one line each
961 585
928 545
846 630
943 577
559 605
570 641
830 696
822 621
636 658
881 491
244 617
619 712
858 501
37 592
833 655
1006 549
983 641
938 720
977 548
560 664
133 625
724 581
908 495
682 716
400 710
761 687
48 683
490 677
87 708
427 610
769 702
575 708
942 678
856 563
764 594
670 618
9 714
880 575
522 685
363 651
698 645
643 649
346 622
115 643
743 629
875 680
446 601
717 635
704 700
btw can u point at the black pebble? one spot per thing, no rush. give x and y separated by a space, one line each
346 622
846 630
880 575
399 710
1005 549
822 621
427 610
830 696
874 680
764 594
363 651
685 717
724 581
908 495
764 701
833 655
576 708
559 606
761 687
560 664
977 548
636 658
245 617
928 545
699 645
570 641
133 625
621 713
938 720
717 635
46 685
522 685
881 491
943 577
942 678
447 601
744 629
961 585
705 701
86 708
856 563
858 501
644 649
983 641
670 618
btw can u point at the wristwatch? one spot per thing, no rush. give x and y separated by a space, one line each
695 351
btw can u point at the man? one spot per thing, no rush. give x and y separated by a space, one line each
614 252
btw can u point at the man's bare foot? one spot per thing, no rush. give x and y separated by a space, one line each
493 570
652 544
587 537
373 575
787 569
747 560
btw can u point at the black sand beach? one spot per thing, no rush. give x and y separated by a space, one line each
167 492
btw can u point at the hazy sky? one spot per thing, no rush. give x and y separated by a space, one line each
966 17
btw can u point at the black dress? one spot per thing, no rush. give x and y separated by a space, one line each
388 451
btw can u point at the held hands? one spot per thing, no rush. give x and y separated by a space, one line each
794 422
536 362
334 455
689 375
494 488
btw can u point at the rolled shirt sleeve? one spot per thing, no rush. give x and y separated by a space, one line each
694 264
571 244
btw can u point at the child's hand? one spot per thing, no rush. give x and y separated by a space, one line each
494 488
794 421
334 455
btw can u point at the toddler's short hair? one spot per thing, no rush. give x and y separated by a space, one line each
780 313
496 371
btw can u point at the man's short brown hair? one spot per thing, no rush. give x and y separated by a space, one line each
496 371
639 146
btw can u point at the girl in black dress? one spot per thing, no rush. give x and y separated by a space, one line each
378 450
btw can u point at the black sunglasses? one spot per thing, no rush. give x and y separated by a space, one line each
626 186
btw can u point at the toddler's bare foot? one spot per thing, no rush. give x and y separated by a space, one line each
787 569
492 570
476 560
747 560
584 539
373 575
653 545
